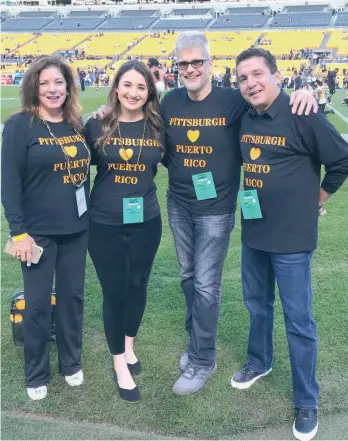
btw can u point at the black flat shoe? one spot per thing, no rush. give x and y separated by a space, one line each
130 395
134 368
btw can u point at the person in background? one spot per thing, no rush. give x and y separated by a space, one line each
298 81
158 74
331 83
227 78
280 230
97 79
45 188
125 227
82 76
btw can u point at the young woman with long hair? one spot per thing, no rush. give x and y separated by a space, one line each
45 187
125 227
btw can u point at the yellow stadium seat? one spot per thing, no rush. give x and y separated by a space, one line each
283 41
11 41
223 44
108 44
47 44
336 41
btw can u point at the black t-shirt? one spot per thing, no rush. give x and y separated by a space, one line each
120 174
202 136
282 156
37 192
331 77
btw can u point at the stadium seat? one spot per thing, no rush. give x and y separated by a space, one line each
189 12
25 24
238 21
182 24
301 20
108 44
50 43
336 40
342 20
283 41
306 8
138 13
128 23
75 24
224 44
154 47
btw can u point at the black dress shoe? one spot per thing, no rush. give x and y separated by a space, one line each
131 395
134 368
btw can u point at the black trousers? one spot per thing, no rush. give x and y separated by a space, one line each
123 257
64 256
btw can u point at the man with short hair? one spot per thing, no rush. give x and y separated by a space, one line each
282 157
203 158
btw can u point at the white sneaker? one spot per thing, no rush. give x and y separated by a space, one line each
37 393
75 380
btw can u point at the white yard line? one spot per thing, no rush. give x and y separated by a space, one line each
339 114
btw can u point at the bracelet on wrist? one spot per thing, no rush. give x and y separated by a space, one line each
19 237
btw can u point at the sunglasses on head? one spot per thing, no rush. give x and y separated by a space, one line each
183 65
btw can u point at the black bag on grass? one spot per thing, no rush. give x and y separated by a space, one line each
17 317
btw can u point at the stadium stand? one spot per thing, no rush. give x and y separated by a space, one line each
245 10
197 11
87 13
182 24
138 13
224 44
50 43
108 44
128 23
281 42
10 42
24 24
342 20
75 24
337 41
240 21
35 14
306 8
301 20
154 47
97 39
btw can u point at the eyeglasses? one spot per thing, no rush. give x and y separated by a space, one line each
183 65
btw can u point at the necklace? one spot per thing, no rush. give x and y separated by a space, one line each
123 151
66 156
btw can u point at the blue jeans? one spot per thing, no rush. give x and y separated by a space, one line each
201 244
292 272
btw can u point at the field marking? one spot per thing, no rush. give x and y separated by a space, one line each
339 114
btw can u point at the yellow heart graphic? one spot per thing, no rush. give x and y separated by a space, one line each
126 154
71 151
193 135
255 153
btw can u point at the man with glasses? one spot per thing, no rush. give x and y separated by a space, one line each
204 160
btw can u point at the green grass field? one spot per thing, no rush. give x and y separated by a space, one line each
95 411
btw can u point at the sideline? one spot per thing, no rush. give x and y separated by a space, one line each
21 425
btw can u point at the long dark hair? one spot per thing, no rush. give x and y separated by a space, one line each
150 109
30 90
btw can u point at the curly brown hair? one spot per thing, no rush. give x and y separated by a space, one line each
151 108
30 103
